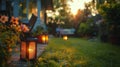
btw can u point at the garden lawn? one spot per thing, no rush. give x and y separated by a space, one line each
76 52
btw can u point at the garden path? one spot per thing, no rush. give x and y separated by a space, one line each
15 59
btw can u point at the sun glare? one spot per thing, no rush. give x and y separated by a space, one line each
75 5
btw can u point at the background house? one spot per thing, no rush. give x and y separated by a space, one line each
24 9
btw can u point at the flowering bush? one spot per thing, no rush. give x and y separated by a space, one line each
10 31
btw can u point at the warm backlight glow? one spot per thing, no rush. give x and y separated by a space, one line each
28 50
75 5
65 37
31 50
43 38
46 38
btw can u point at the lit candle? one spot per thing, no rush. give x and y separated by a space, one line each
65 37
46 38
43 38
31 50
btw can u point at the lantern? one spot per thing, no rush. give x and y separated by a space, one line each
28 49
46 38
65 38
43 38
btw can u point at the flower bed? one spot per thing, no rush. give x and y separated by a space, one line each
10 31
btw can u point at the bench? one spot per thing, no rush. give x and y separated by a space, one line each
66 31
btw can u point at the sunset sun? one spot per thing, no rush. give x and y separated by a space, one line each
75 5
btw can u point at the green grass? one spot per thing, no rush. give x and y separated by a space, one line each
77 52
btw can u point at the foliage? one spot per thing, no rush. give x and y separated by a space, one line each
52 28
39 30
83 29
10 31
79 53
90 28
64 17
111 14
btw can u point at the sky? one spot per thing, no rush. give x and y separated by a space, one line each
77 4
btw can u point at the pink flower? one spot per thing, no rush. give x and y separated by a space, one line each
14 20
3 19
19 28
24 28
14 24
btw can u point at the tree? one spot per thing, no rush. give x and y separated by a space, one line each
111 13
83 29
61 7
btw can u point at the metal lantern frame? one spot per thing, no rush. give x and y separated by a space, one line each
28 49
43 38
